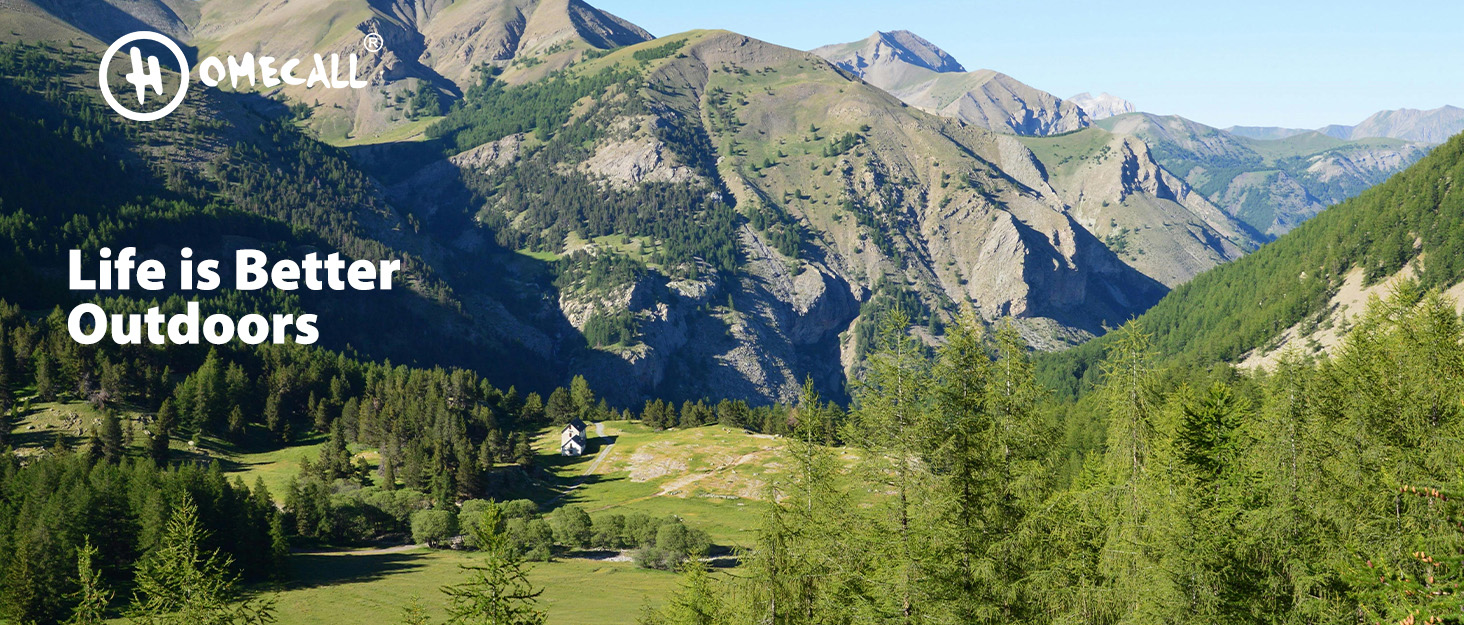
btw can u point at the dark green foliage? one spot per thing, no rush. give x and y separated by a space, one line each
842 144
426 101
785 233
659 52
490 110
619 328
597 272
889 296
55 505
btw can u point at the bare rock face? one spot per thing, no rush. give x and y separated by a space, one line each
433 44
1364 163
1150 218
1271 179
1103 105
492 155
635 155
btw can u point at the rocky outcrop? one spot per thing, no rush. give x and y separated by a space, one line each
1148 216
1103 105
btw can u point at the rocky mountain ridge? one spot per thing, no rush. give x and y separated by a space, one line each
926 77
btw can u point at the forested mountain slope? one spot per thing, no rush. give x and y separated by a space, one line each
1416 217
225 172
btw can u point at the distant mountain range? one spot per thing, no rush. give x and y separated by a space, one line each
1432 126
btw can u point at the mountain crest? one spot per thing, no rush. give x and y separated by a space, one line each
896 48
914 49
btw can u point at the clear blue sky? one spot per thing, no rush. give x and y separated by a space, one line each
1296 64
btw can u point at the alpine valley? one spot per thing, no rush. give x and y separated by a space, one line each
1031 358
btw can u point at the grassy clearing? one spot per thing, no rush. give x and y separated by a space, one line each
406 132
375 588
1061 154
713 477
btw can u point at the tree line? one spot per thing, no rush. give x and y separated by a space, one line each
1323 491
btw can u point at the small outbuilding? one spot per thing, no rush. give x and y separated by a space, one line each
572 438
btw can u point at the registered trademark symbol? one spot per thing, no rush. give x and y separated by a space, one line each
373 42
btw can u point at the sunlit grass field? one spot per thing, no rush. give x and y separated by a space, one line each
375 588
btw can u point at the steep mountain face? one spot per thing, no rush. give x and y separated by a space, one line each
430 44
924 77
227 172
1272 185
94 23
739 214
1431 126
1103 105
711 215
1148 216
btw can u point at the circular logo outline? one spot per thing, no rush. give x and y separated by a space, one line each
107 89
373 42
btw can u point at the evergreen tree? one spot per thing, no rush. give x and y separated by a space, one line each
1130 553
415 613
582 399
162 430
497 591
111 438
93 597
561 407
697 602
181 583
890 421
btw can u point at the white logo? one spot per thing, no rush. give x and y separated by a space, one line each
212 71
144 78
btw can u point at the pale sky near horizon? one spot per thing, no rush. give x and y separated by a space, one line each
1242 62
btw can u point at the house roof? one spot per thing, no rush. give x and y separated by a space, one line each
576 424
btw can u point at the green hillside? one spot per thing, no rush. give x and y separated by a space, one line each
1226 312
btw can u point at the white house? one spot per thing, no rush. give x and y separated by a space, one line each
572 438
